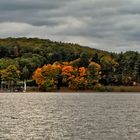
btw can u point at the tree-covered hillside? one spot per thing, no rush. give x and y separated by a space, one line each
34 52
123 68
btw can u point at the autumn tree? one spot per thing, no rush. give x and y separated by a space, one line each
10 75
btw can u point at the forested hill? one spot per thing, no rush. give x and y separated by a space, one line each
34 52
15 47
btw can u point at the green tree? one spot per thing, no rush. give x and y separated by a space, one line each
10 75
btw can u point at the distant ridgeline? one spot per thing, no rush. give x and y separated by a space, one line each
16 53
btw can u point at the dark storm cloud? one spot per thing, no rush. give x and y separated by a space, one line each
35 12
30 4
105 24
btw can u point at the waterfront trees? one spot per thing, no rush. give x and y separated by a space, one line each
10 75
35 53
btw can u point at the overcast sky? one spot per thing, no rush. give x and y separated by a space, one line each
112 25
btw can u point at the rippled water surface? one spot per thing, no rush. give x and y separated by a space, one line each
69 116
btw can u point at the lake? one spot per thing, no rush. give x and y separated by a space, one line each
69 116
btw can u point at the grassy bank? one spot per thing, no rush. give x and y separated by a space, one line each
123 88
101 89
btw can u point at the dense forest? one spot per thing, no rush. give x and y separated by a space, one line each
21 57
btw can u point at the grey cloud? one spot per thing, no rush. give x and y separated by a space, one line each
23 5
104 24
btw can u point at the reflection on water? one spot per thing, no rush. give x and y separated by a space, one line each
72 116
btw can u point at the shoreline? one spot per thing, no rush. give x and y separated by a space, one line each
104 89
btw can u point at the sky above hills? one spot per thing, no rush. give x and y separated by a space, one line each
111 25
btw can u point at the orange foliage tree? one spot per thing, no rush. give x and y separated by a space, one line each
75 78
45 76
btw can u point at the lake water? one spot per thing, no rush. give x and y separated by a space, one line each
69 116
